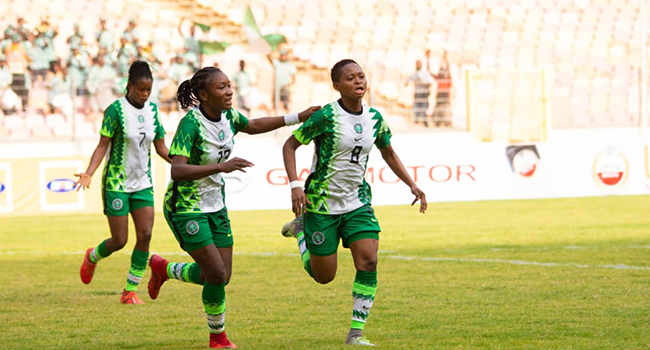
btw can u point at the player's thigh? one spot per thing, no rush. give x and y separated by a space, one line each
115 203
119 227
226 257
191 230
209 260
141 204
321 233
359 224
364 254
220 227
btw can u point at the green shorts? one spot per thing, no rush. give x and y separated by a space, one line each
122 203
322 231
197 230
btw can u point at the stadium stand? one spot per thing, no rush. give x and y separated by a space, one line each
590 49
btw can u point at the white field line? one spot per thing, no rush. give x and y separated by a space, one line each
395 257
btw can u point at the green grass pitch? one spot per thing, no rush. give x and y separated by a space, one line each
536 274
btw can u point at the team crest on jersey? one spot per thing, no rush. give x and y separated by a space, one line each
318 238
192 227
221 135
358 128
117 204
141 118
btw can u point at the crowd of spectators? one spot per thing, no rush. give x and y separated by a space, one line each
35 79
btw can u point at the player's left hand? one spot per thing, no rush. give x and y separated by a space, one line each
419 195
307 112
83 182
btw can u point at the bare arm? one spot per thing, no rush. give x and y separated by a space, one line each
181 171
162 150
266 124
398 168
298 197
95 161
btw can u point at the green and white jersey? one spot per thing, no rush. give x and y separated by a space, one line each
203 141
128 158
343 141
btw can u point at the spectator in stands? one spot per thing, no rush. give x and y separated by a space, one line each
39 56
101 84
78 65
104 36
132 33
9 101
422 79
442 111
178 70
16 54
191 40
60 90
76 39
243 84
125 56
285 76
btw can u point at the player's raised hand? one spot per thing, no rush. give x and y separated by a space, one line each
419 195
235 164
307 112
299 201
83 182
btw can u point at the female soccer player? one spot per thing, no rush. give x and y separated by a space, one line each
130 126
335 204
194 202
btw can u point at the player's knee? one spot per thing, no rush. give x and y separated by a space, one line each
369 264
144 236
216 277
119 242
324 278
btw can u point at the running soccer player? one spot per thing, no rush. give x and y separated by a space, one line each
129 127
335 204
195 207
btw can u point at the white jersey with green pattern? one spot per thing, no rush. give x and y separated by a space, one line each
128 158
203 141
343 141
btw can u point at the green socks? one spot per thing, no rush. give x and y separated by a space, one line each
304 253
138 265
214 303
186 272
99 253
363 293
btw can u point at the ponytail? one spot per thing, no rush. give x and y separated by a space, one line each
188 91
185 96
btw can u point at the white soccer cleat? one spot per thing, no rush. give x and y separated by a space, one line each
292 228
362 341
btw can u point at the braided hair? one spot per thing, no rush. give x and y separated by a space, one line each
138 70
335 74
188 91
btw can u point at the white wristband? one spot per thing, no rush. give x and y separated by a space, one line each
291 119
295 184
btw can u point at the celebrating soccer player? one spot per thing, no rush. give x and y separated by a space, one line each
129 127
335 202
194 203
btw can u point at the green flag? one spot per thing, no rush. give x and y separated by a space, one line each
274 40
255 39
213 47
204 27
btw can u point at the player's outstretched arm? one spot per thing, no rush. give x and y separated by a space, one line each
266 124
298 197
95 161
396 165
181 171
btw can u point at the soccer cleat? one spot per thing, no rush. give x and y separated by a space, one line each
130 298
87 268
220 341
359 341
158 275
292 228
